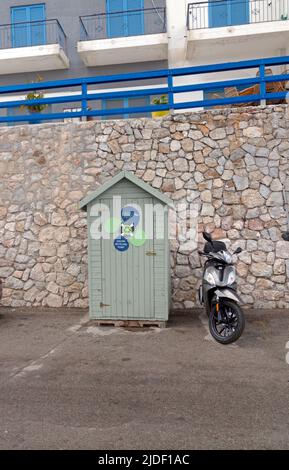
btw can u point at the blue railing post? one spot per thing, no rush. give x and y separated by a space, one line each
262 74
84 108
171 93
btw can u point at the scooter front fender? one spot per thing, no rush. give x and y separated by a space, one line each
228 294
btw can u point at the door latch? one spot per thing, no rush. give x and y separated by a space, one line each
102 305
151 253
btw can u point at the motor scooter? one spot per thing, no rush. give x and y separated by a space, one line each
218 292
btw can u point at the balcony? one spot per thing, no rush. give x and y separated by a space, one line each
123 37
32 47
237 28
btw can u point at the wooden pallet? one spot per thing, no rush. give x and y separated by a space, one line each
130 323
271 87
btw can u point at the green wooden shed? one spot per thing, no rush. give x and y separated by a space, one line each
128 252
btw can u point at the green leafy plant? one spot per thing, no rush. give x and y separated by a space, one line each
284 17
161 100
35 95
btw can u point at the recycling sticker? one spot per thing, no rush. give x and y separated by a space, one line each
121 244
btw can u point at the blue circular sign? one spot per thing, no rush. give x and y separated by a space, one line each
121 244
130 215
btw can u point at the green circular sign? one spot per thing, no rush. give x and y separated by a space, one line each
112 225
139 238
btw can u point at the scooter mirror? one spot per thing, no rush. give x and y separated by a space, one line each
239 250
285 236
207 237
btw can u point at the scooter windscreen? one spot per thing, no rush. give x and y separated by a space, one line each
214 247
223 256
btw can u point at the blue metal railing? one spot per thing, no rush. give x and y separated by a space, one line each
85 96
123 23
33 33
221 13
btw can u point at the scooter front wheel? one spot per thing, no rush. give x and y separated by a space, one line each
227 325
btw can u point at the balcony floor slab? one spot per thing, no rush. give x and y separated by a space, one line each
124 50
33 59
238 42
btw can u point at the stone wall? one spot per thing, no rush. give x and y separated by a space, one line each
232 163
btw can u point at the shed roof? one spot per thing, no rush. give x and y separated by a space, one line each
130 177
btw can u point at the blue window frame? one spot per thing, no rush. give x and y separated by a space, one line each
228 12
126 103
125 18
28 25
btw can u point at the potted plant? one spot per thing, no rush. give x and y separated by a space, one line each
158 101
35 95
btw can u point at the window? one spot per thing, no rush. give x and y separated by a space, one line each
126 103
28 25
228 12
124 18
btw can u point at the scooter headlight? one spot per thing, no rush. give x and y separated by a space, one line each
209 278
231 277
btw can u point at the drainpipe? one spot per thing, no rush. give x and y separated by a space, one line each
285 235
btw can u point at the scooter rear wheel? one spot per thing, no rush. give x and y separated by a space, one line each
232 324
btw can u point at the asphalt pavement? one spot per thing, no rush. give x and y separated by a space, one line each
68 384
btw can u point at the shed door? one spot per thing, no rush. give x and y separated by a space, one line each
128 278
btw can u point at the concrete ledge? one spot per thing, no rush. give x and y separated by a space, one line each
33 59
152 47
231 41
